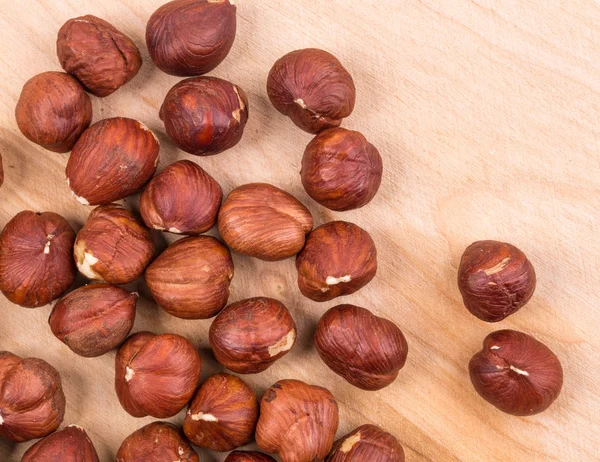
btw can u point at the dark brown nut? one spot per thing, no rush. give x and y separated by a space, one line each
248 456
516 373
248 336
101 57
367 442
265 222
339 258
191 278
69 445
32 402
495 279
53 111
36 258
113 159
156 374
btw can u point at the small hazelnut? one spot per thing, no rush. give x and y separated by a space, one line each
156 374
248 456
495 279
265 222
36 258
338 259
113 159
516 373
312 88
223 414
69 445
53 111
367 443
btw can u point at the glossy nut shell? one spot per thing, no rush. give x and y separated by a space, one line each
69 445
367 442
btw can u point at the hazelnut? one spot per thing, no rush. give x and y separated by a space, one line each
36 258
53 111
191 278
113 159
248 336
367 442
297 421
93 319
248 456
191 37
312 88
516 373
222 415
265 222
101 57
341 170
69 445
32 402
366 350
495 279
156 374
338 259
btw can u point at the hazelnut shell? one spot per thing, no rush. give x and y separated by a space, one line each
367 443
69 445
248 456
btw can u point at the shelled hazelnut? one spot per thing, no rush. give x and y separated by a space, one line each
248 456
367 443
69 445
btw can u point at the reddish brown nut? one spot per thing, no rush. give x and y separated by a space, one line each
367 442
53 111
248 456
495 279
36 258
69 445
156 374
113 159
516 373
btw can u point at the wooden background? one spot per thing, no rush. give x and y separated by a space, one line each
487 116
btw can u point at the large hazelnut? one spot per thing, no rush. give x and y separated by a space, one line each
101 57
338 259
156 374
191 278
265 222
69 445
516 373
312 88
113 159
495 279
250 335
53 111
36 258
367 443
248 456
223 414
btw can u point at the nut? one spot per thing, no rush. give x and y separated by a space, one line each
191 278
36 258
341 170
93 319
338 259
191 37
265 222
312 88
205 115
113 159
222 415
248 456
367 442
69 445
101 57
495 279
297 421
32 402
248 336
53 111
156 374
366 350
516 373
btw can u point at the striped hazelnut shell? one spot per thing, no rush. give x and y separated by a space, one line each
69 445
367 442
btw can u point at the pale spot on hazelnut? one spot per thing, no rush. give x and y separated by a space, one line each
497 268
491 283
300 102
237 115
47 246
205 417
129 373
205 268
349 443
174 230
85 261
495 347
518 371
81 200
284 344
81 20
1 419
145 128
159 228
332 280
122 167
76 426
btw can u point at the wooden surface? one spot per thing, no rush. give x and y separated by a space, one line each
486 114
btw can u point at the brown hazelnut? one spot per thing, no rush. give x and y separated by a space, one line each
113 159
495 279
516 373
53 111
191 278
101 57
36 258
338 259
156 374
93 319
312 88
367 442
248 456
297 421
223 414
32 402
69 445
248 336
265 222
191 37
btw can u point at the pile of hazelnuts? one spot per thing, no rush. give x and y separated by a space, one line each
157 375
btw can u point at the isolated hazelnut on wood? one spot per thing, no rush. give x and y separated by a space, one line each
367 443
248 456
69 445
